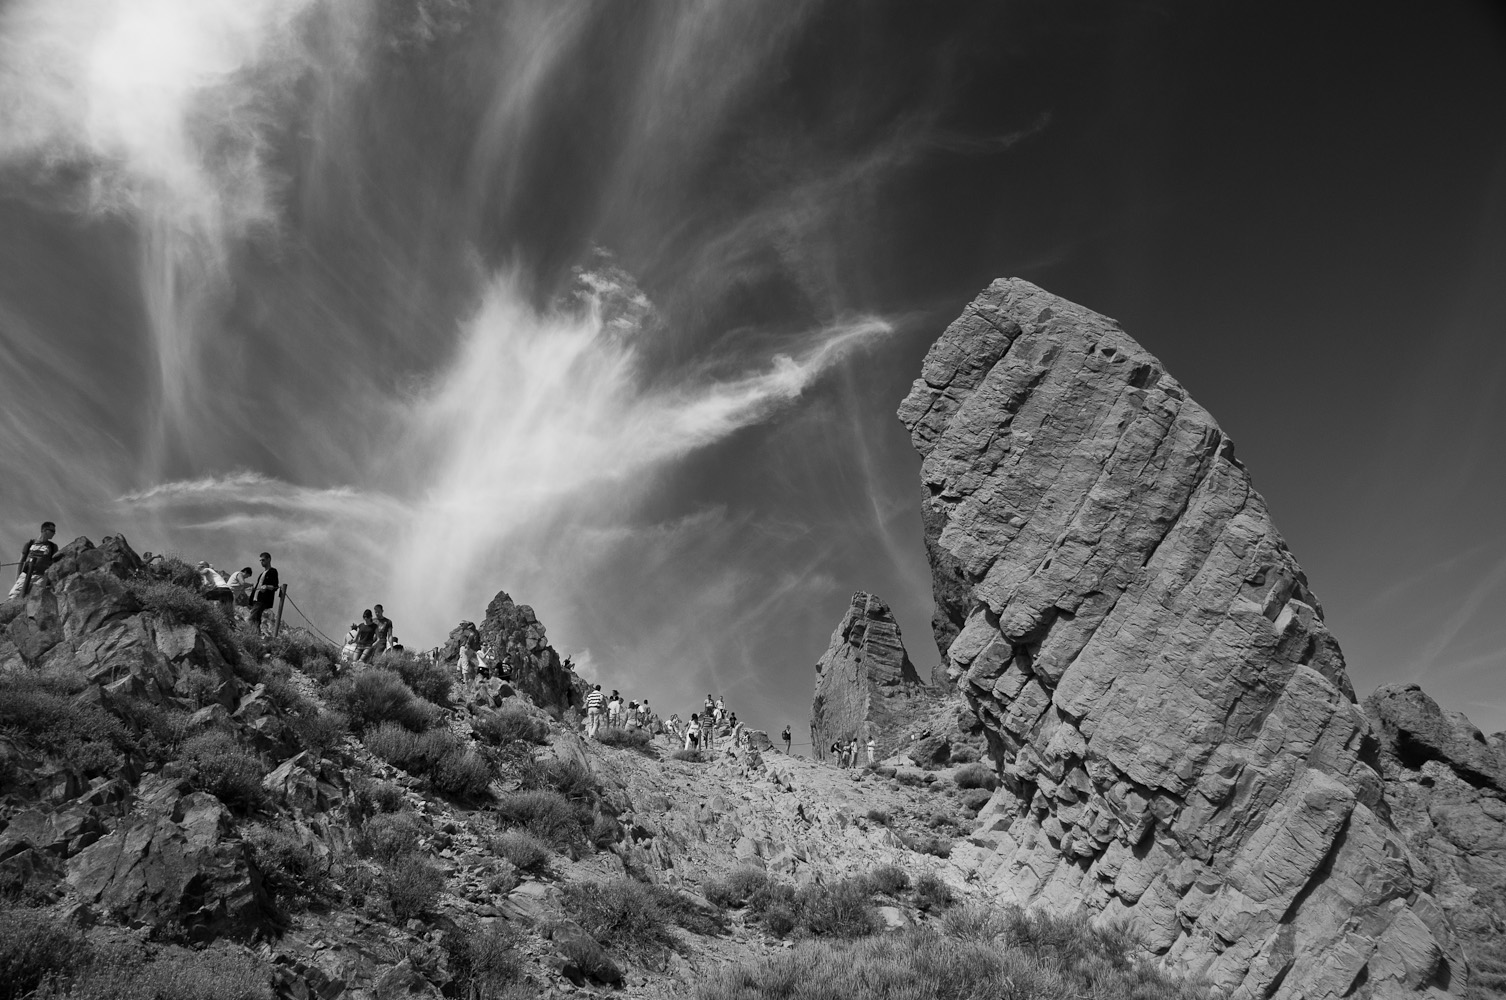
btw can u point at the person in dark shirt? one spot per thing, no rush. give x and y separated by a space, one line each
384 629
366 634
265 591
36 556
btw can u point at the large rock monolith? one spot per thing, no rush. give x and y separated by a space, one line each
1179 742
865 682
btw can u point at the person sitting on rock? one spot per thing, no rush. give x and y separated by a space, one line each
240 586
36 556
215 588
365 637
384 629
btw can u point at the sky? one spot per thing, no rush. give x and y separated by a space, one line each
610 305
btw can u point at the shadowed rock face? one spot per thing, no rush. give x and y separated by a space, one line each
865 682
1179 741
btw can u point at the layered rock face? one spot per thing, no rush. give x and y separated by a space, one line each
865 682
1179 742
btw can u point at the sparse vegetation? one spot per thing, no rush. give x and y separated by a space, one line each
843 909
220 972
689 756
880 816
976 776
423 677
215 763
175 605
987 953
412 886
891 880
39 710
546 814
635 916
526 852
369 797
932 894
34 945
510 724
484 962
389 836
290 869
626 739
370 697
449 761
737 888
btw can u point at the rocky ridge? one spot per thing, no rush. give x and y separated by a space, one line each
1179 742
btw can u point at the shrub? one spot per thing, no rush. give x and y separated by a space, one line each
525 851
503 879
40 711
279 688
634 739
412 887
841 910
689 756
976 776
289 867
199 686
389 836
448 760
34 945
173 569
160 731
295 646
370 697
483 960
219 972
320 733
369 797
685 912
911 778
546 814
976 798
590 958
570 778
176 605
622 911
942 820
923 962
891 880
964 755
880 816
510 724
737 888
931 893
216 764
423 676
605 830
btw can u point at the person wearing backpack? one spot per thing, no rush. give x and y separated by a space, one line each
36 557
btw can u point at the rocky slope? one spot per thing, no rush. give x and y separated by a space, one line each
170 782
1179 742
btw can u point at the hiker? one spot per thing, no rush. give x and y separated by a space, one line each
365 637
348 651
384 629
732 720
397 645
721 710
693 732
708 734
710 706
214 588
593 711
786 737
614 709
870 749
265 592
836 752
36 555
852 752
240 586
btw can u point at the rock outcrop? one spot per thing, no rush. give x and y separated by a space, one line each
1179 742
865 682
513 640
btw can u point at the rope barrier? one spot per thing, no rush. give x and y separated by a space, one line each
311 625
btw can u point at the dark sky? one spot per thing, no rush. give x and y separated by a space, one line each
611 304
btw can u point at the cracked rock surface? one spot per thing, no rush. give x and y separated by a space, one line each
1180 745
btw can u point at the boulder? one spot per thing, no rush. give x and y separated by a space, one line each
865 683
1178 740
513 641
175 860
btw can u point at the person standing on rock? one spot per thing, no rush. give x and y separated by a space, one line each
786 737
708 733
614 709
871 747
265 592
36 557
384 629
852 752
594 701
693 732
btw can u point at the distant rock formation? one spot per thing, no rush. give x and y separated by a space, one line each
865 682
511 637
1179 742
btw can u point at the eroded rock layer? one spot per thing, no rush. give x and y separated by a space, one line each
865 682
1180 744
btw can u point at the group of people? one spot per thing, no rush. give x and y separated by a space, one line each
618 713
370 636
243 588
847 754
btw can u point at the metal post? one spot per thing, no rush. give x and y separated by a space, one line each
282 595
